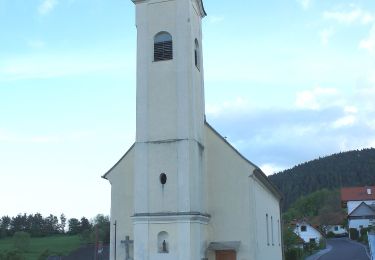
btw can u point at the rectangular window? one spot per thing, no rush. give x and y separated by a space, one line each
303 228
273 243
163 51
278 231
268 230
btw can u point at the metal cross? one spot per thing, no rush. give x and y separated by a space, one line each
127 243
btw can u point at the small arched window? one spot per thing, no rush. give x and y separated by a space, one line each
197 55
163 47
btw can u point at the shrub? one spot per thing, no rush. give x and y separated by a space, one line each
21 241
44 255
330 234
322 243
354 234
363 237
293 254
12 255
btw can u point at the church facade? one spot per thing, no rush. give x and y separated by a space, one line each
182 192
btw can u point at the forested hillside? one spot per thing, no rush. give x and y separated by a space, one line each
347 169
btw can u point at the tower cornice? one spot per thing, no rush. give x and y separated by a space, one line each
199 3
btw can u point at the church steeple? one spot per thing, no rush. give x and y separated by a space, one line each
169 166
170 93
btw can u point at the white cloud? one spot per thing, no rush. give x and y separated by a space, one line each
10 137
269 168
369 43
351 109
325 35
58 65
349 17
344 121
216 19
316 98
239 104
36 44
305 3
47 6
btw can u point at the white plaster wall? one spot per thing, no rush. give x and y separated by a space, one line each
170 100
356 223
121 178
186 239
231 202
352 205
267 204
340 230
308 234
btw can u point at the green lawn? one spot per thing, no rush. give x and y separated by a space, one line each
56 244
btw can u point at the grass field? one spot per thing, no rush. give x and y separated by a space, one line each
56 244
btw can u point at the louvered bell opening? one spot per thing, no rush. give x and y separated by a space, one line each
163 51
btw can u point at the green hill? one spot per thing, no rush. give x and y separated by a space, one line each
347 169
60 245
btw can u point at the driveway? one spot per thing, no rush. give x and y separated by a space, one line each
345 249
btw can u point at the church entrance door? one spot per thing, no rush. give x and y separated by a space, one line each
226 255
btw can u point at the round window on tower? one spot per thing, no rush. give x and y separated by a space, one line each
163 178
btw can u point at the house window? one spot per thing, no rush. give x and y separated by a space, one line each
163 47
336 228
303 228
268 231
197 55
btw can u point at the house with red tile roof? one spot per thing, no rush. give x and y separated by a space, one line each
307 232
360 203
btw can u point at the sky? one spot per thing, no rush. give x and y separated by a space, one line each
285 82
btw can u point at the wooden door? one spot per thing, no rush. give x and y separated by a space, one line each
226 255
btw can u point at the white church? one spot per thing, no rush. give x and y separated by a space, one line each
182 192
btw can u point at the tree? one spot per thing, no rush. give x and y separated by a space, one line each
353 168
74 226
62 223
85 224
21 241
4 226
36 225
51 225
19 223
102 223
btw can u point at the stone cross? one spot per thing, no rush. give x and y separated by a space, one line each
127 243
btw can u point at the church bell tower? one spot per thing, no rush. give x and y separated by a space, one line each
170 216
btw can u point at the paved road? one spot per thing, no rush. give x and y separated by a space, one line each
344 249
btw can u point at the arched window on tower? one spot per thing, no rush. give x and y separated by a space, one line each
163 46
197 57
